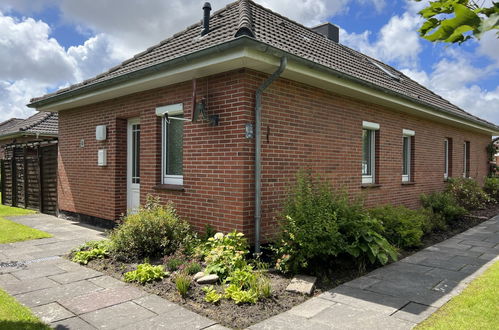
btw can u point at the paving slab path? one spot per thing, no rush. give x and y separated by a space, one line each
397 296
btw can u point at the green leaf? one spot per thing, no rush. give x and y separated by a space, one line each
383 258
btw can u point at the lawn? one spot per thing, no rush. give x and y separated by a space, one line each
14 232
477 307
15 316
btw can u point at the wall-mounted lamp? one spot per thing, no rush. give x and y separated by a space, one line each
249 132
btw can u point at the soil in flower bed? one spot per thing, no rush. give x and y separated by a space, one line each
226 312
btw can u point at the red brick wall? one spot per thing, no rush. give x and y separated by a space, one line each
303 127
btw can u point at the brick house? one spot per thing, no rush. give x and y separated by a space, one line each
271 97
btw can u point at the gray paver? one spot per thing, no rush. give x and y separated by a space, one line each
52 312
311 307
45 296
302 284
29 285
414 312
478 243
156 304
75 276
179 319
288 321
72 323
36 271
107 282
117 316
101 299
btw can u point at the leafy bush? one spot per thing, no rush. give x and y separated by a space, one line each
146 273
467 193
193 268
240 295
318 223
182 283
211 295
491 187
402 227
91 250
153 231
224 253
444 209
173 264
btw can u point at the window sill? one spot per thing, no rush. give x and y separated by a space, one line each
174 187
370 185
409 183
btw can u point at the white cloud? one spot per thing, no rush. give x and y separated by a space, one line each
397 42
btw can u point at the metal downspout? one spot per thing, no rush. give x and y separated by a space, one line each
258 148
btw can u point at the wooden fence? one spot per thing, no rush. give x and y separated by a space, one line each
29 177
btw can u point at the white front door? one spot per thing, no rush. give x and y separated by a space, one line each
133 165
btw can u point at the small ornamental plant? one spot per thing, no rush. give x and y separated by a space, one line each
146 273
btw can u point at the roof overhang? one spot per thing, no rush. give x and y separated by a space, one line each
19 134
245 52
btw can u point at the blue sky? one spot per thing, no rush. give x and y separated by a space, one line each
48 44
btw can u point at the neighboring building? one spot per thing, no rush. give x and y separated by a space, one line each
356 121
28 162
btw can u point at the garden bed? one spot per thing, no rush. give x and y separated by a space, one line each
227 313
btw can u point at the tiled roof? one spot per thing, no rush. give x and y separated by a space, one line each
244 17
43 123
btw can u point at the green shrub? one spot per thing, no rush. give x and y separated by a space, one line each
174 264
444 209
224 253
467 193
193 268
91 250
240 295
402 227
182 283
154 231
491 187
263 286
318 223
146 273
211 295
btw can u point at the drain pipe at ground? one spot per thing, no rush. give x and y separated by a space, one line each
258 148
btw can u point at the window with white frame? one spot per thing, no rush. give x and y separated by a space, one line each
172 143
407 136
369 152
466 159
447 157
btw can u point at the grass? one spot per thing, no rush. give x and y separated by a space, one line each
477 307
14 232
13 315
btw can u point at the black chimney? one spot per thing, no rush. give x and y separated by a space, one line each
206 18
330 31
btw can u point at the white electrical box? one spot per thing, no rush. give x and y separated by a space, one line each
102 157
100 133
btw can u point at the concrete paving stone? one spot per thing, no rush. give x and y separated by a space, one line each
107 282
469 269
302 284
449 264
13 253
414 312
101 299
70 266
399 267
119 316
37 270
341 316
478 243
362 282
74 323
445 274
485 249
287 321
365 299
458 246
475 261
8 279
488 256
51 312
24 286
178 319
45 296
408 291
216 327
445 286
156 304
457 252
75 276
493 239
311 307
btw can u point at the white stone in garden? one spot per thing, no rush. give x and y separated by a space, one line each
198 275
208 279
302 284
